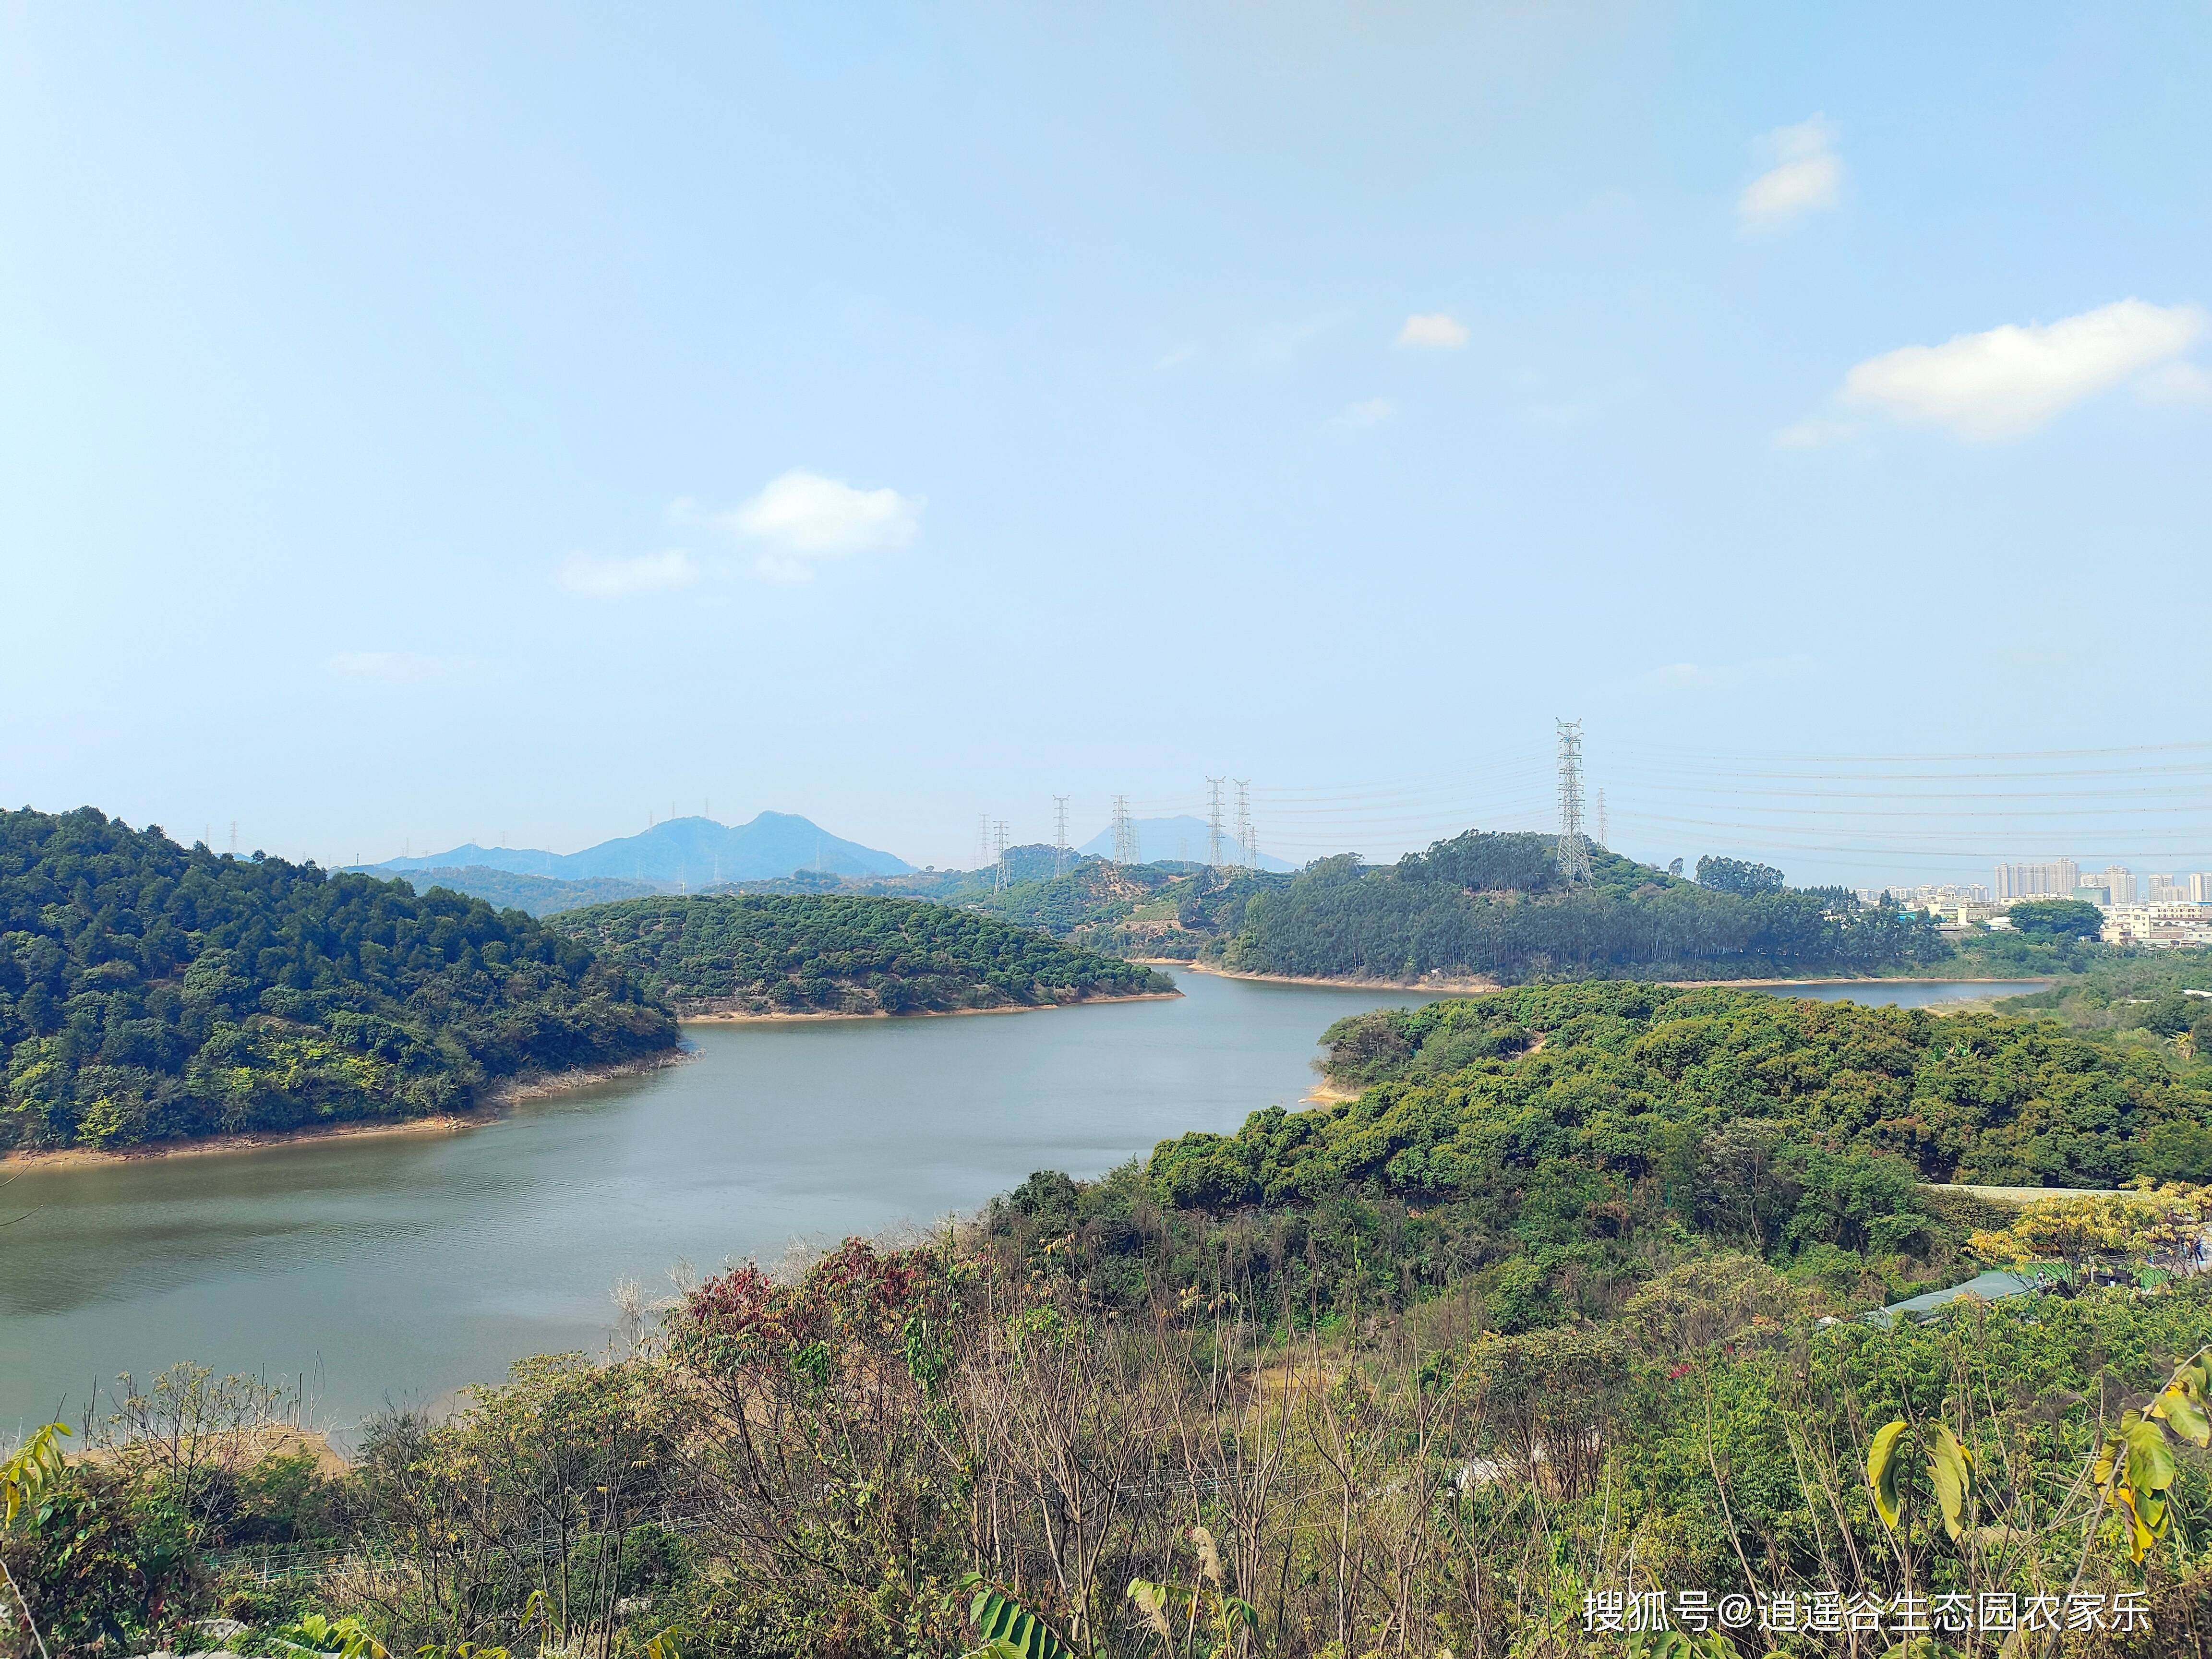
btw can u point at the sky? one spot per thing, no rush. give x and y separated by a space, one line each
421 425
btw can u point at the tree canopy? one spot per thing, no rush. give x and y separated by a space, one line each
834 953
2057 918
1494 905
147 992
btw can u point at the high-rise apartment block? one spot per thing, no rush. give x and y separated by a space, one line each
2053 878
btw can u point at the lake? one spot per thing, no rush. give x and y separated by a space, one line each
394 1268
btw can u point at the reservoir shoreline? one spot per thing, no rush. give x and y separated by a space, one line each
498 1099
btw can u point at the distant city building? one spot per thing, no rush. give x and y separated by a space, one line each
2200 887
2161 926
2055 878
2165 889
1921 897
2118 881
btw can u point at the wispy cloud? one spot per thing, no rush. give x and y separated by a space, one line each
1556 414
1730 679
2009 382
1370 412
1174 357
1433 330
2175 383
1281 343
619 576
405 667
1806 175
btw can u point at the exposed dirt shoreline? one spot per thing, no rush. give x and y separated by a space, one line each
735 1018
497 1099
1478 987
1449 986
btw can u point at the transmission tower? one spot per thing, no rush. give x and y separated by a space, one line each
1213 823
1603 838
1059 835
982 839
1126 850
1574 851
1000 879
1244 822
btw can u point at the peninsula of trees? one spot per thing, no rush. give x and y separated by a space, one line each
757 953
148 993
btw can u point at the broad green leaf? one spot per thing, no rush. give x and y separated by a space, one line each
2150 1461
1881 1470
1951 1466
998 1617
2185 1413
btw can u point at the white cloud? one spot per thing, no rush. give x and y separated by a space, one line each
2010 380
1433 330
814 517
616 576
1174 357
2175 383
1371 412
1805 175
404 667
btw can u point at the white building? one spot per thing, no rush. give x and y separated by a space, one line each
2162 925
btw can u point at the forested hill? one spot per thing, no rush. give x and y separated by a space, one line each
827 953
1562 1144
148 993
1495 905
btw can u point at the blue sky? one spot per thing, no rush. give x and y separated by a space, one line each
421 425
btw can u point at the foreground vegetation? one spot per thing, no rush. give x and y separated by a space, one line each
823 1466
823 953
147 992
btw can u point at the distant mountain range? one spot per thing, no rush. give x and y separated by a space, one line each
1181 840
694 851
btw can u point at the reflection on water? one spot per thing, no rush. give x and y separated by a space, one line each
396 1267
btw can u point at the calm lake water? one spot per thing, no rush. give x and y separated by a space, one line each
395 1268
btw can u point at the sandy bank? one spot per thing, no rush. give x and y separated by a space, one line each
496 1098
1895 979
739 1018
1435 983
